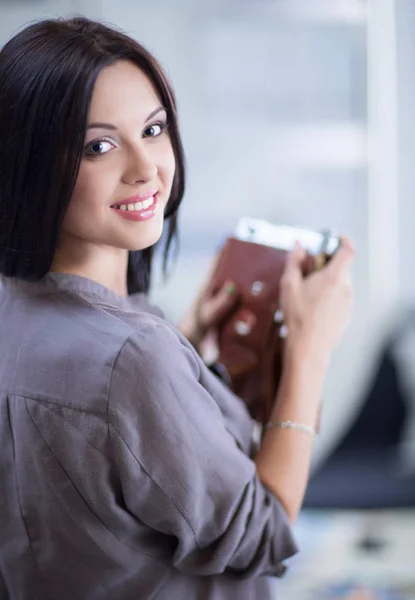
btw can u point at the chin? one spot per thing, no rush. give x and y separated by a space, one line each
148 238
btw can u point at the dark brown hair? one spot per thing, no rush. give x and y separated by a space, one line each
47 74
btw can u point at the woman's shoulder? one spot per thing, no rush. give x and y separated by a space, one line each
152 343
135 338
64 344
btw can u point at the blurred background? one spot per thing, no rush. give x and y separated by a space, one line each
302 112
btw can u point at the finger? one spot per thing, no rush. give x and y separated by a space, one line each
294 265
209 347
217 307
339 265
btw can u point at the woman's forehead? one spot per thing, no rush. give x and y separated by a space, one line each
123 91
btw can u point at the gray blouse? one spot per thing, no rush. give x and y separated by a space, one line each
125 466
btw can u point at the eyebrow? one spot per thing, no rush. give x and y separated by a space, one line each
110 126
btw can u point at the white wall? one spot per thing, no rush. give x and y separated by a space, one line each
405 60
16 14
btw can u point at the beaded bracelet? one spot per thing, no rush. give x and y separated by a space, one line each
292 425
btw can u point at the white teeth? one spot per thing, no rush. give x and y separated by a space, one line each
138 205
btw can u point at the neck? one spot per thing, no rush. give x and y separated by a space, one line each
105 265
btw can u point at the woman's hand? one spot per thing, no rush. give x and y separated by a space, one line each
317 308
200 323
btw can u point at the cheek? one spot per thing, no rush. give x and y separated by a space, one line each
88 185
167 166
89 196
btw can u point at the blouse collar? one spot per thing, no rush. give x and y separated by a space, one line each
55 282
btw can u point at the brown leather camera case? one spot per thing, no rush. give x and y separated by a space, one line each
251 341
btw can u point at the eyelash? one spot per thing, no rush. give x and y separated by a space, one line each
163 128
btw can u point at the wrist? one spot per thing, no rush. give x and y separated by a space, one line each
187 327
190 328
304 353
303 376
300 391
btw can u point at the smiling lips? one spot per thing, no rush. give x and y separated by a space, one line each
138 208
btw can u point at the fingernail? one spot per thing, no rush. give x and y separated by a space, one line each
230 287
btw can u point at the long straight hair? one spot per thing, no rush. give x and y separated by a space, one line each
47 75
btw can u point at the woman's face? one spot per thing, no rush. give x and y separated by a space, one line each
127 170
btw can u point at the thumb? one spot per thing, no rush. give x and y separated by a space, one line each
214 309
340 263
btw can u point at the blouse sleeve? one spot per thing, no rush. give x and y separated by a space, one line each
182 472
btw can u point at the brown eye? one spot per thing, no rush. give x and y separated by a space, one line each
98 147
155 130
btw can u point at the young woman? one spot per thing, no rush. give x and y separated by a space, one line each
127 468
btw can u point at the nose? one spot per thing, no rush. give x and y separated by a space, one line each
141 167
